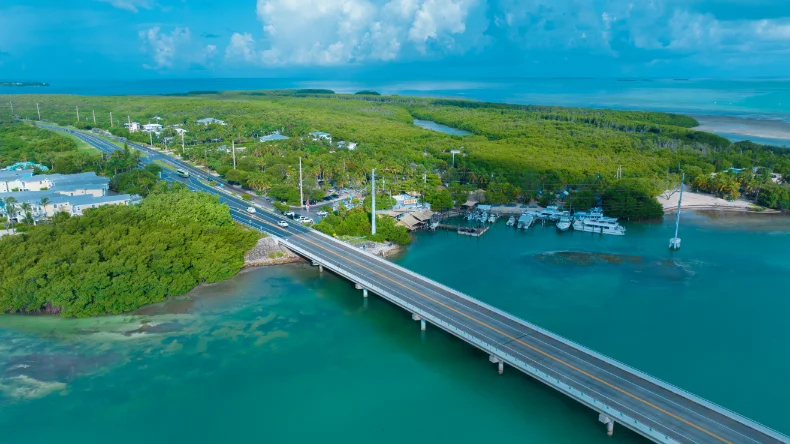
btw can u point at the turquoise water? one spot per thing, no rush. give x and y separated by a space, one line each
433 126
284 354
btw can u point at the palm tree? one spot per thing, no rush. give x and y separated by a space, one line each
25 207
43 204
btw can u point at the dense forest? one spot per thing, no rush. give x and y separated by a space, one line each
115 259
620 158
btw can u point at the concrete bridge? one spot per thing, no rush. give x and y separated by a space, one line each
616 393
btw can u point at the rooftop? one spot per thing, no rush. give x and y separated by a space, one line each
6 176
273 136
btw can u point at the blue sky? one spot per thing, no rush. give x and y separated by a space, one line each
57 39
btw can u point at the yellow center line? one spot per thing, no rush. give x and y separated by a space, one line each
548 355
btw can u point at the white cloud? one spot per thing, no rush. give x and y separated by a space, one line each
130 5
175 50
334 32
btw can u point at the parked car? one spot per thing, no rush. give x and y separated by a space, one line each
282 223
305 220
322 213
251 210
290 214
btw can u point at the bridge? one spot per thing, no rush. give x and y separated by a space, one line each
617 393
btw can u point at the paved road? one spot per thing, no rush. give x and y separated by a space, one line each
654 409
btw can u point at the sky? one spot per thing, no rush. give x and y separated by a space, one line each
415 39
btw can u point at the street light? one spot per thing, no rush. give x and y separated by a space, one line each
454 152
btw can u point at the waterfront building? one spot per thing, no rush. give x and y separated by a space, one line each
351 146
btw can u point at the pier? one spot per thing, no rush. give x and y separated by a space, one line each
618 395
464 231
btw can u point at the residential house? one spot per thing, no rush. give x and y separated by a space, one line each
210 120
133 127
56 202
25 166
12 180
319 135
406 201
273 136
152 128
351 146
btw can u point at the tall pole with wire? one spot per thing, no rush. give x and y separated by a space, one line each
301 189
38 110
111 118
78 114
373 201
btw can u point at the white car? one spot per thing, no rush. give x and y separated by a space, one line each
305 220
322 213
251 210
282 223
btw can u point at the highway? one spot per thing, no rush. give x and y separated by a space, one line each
616 392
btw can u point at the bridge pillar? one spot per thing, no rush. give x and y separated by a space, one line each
499 362
501 367
415 317
320 268
609 423
364 292
422 324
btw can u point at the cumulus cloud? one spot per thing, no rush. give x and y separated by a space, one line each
176 49
658 28
130 5
334 32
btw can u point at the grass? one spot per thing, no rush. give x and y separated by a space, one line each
165 165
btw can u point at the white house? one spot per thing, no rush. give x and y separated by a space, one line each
351 146
47 203
180 131
319 135
152 128
12 180
210 120
133 127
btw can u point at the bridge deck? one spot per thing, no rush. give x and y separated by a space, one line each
654 409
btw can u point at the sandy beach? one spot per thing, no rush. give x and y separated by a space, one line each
701 201
775 131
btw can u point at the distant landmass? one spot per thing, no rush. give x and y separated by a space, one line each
23 84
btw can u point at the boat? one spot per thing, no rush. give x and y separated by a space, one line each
564 224
492 218
602 225
525 221
549 213
511 221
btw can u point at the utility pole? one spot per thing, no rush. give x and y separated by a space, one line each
38 110
110 118
151 136
182 140
674 243
78 114
129 119
233 151
373 201
12 108
94 116
301 190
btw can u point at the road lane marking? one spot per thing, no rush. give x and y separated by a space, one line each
548 355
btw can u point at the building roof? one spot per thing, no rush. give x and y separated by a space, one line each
422 216
7 176
89 200
409 221
469 203
19 166
273 136
319 134
208 120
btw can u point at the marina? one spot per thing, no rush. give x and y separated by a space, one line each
592 221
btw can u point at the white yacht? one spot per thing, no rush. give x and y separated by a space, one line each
564 224
525 221
511 221
549 213
491 218
602 225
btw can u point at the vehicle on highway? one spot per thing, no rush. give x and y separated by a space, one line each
182 173
283 224
251 210
290 214
322 213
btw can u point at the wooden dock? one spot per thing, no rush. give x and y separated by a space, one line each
465 231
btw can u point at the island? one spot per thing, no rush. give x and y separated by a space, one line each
12 84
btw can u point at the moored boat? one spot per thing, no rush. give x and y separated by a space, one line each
601 225
564 224
511 221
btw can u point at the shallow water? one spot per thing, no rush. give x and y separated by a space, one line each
433 126
283 354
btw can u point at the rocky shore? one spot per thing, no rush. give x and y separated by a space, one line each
269 252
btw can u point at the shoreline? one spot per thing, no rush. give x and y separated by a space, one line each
762 130
708 202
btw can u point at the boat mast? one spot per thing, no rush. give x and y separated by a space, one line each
674 243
